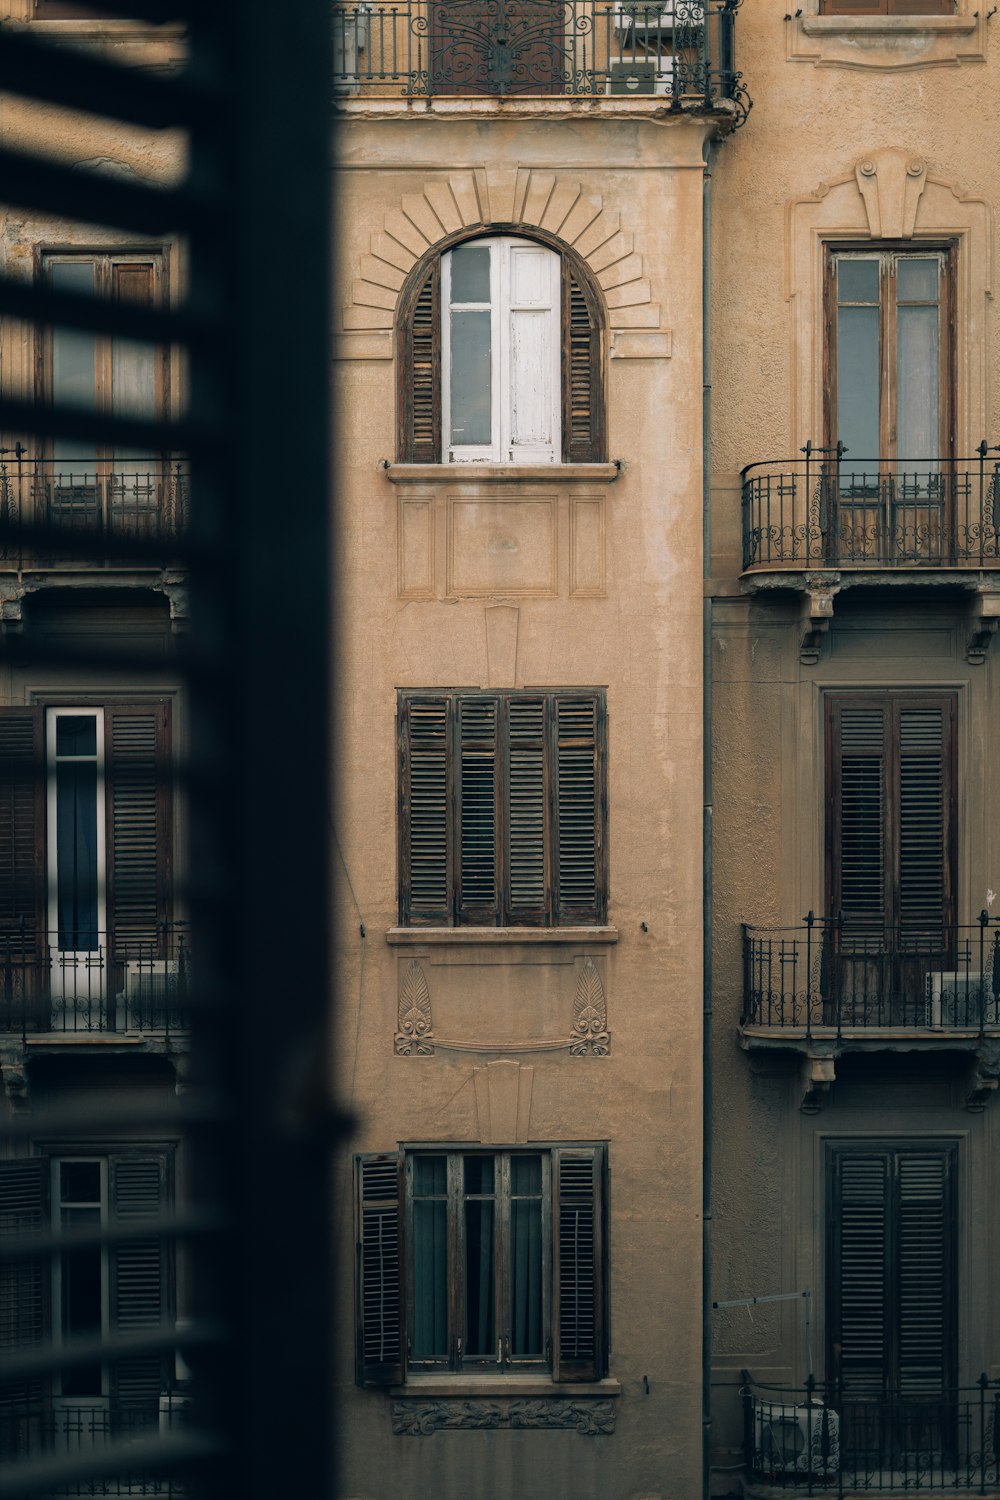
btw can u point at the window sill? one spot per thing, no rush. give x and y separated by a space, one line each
503 1385
500 473
404 937
886 43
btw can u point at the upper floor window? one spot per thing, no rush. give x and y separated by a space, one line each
502 808
500 359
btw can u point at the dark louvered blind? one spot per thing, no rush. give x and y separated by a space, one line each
924 1271
419 373
139 831
138 1190
583 403
21 830
579 1289
862 1235
862 818
23 1285
502 808
378 1279
923 813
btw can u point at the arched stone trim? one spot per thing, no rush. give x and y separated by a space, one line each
545 204
888 194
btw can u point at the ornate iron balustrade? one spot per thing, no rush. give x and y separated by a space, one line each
94 982
824 1439
50 1430
827 977
54 510
680 50
830 511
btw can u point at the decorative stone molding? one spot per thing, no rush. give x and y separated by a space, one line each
885 43
817 1078
515 198
589 1036
985 614
421 1418
503 1102
891 184
817 615
415 1027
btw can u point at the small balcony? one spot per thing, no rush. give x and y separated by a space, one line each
94 986
80 1435
129 512
679 53
823 1440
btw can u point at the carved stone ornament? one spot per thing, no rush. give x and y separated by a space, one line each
589 1036
414 1027
421 1418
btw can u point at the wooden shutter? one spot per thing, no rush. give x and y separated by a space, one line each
924 734
418 371
24 1292
139 1272
924 1270
22 836
425 816
378 1268
859 1307
528 874
578 734
579 1327
858 816
137 749
478 820
582 374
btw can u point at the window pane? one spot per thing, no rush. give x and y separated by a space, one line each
430 1174
917 379
133 388
858 381
526 1174
479 1174
430 1279
76 854
81 1295
80 1181
74 364
471 377
76 734
470 274
526 1277
857 280
917 279
480 1310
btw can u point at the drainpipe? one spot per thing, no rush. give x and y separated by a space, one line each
710 151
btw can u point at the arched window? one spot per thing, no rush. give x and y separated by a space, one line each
500 358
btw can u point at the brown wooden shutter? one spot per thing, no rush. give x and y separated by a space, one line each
924 1270
578 735
378 1269
22 830
132 281
137 749
582 374
24 1292
425 816
139 1269
925 905
858 816
418 371
478 820
860 1243
528 818
579 1329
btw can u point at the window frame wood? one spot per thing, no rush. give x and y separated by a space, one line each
901 8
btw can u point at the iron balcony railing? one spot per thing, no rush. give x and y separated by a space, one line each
823 1439
682 51
86 982
831 511
827 976
81 1433
48 507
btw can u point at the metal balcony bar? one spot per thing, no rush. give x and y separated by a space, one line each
53 504
830 976
54 1430
824 1439
842 512
680 50
86 982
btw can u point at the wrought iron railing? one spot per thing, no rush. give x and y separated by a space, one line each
88 982
824 1439
841 512
682 51
81 1433
829 976
48 507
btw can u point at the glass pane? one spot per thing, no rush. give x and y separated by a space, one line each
480 1309
479 1174
429 1174
430 1279
917 378
858 382
80 1181
74 366
471 377
857 280
133 390
470 274
526 1174
81 1297
917 280
76 855
526 1277
76 734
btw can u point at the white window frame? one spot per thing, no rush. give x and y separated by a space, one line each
503 448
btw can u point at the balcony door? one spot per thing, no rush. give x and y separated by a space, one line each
889 403
508 47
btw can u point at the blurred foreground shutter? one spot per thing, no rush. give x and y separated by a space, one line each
137 750
425 816
23 1294
379 1268
418 371
578 1316
139 1270
579 806
582 376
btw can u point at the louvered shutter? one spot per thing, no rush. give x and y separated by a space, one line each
137 748
22 840
419 373
24 1294
582 375
924 817
378 1268
578 734
579 1327
859 817
478 770
924 1271
528 874
859 1310
139 1272
425 817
